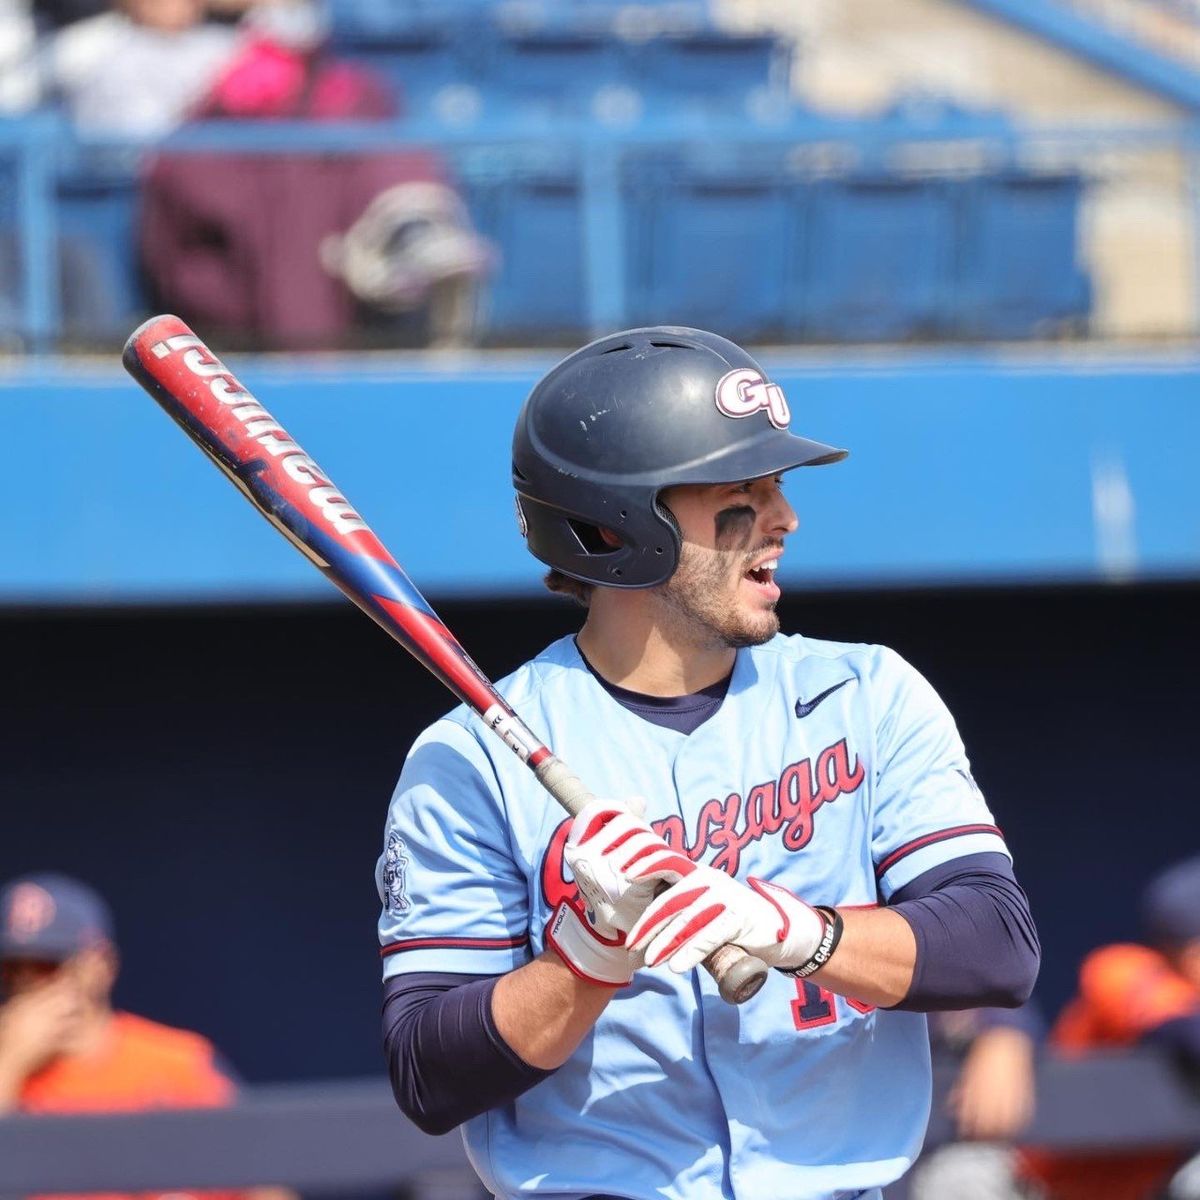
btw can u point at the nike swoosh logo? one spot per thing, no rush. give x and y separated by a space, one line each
804 707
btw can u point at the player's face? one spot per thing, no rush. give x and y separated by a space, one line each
19 975
732 541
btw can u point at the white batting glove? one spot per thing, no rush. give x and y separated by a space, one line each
707 909
619 862
597 957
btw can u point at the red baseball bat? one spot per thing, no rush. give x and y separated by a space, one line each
283 482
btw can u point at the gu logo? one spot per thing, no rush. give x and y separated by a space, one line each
743 392
30 910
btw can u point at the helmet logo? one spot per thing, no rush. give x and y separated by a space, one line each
743 392
522 524
30 910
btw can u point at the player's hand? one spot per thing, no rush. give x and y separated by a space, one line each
706 909
619 862
36 1026
598 957
993 1099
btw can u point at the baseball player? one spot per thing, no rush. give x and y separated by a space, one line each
809 801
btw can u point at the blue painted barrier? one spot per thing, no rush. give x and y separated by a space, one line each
962 469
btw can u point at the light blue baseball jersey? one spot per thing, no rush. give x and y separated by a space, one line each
831 769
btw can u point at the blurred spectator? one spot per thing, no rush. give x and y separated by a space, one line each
991 1102
1131 994
54 14
63 1048
1186 1183
139 69
301 250
18 60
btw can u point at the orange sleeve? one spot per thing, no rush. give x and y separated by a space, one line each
1128 990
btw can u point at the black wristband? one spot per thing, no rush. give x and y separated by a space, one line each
825 947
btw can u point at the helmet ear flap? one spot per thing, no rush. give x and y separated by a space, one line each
668 518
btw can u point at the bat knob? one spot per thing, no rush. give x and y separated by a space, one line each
739 975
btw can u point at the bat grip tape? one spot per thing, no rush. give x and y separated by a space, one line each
566 787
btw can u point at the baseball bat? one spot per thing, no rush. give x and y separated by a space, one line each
283 482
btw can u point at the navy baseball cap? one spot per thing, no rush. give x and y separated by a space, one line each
1171 904
50 917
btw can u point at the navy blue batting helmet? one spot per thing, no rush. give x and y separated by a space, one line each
613 424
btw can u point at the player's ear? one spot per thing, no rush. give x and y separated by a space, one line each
609 538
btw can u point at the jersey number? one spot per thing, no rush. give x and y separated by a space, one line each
815 1005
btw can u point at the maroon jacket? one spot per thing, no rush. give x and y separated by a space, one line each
231 242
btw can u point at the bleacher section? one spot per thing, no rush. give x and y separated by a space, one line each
1098 36
625 174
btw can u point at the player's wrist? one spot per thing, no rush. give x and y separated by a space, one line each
831 935
798 930
588 954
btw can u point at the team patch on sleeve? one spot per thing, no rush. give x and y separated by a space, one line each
395 875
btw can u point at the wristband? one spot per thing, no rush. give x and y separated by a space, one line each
825 947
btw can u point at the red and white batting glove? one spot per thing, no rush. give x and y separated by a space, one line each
595 956
618 862
706 909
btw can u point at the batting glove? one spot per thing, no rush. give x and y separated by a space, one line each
594 954
619 862
706 909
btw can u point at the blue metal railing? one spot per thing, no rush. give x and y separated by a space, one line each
43 148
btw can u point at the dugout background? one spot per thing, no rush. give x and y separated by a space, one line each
222 774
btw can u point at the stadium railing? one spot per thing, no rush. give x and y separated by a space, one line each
346 1137
592 156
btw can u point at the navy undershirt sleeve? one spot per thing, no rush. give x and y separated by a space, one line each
976 942
445 1056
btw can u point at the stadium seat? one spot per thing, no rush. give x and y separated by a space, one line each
550 68
707 246
418 60
11 267
103 293
1018 270
535 218
711 68
363 20
876 259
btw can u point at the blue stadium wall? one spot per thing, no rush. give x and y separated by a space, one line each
962 468
221 768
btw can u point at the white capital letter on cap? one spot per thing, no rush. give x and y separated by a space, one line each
743 392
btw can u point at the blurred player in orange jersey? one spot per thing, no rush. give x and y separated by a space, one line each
63 1048
991 1103
1132 994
